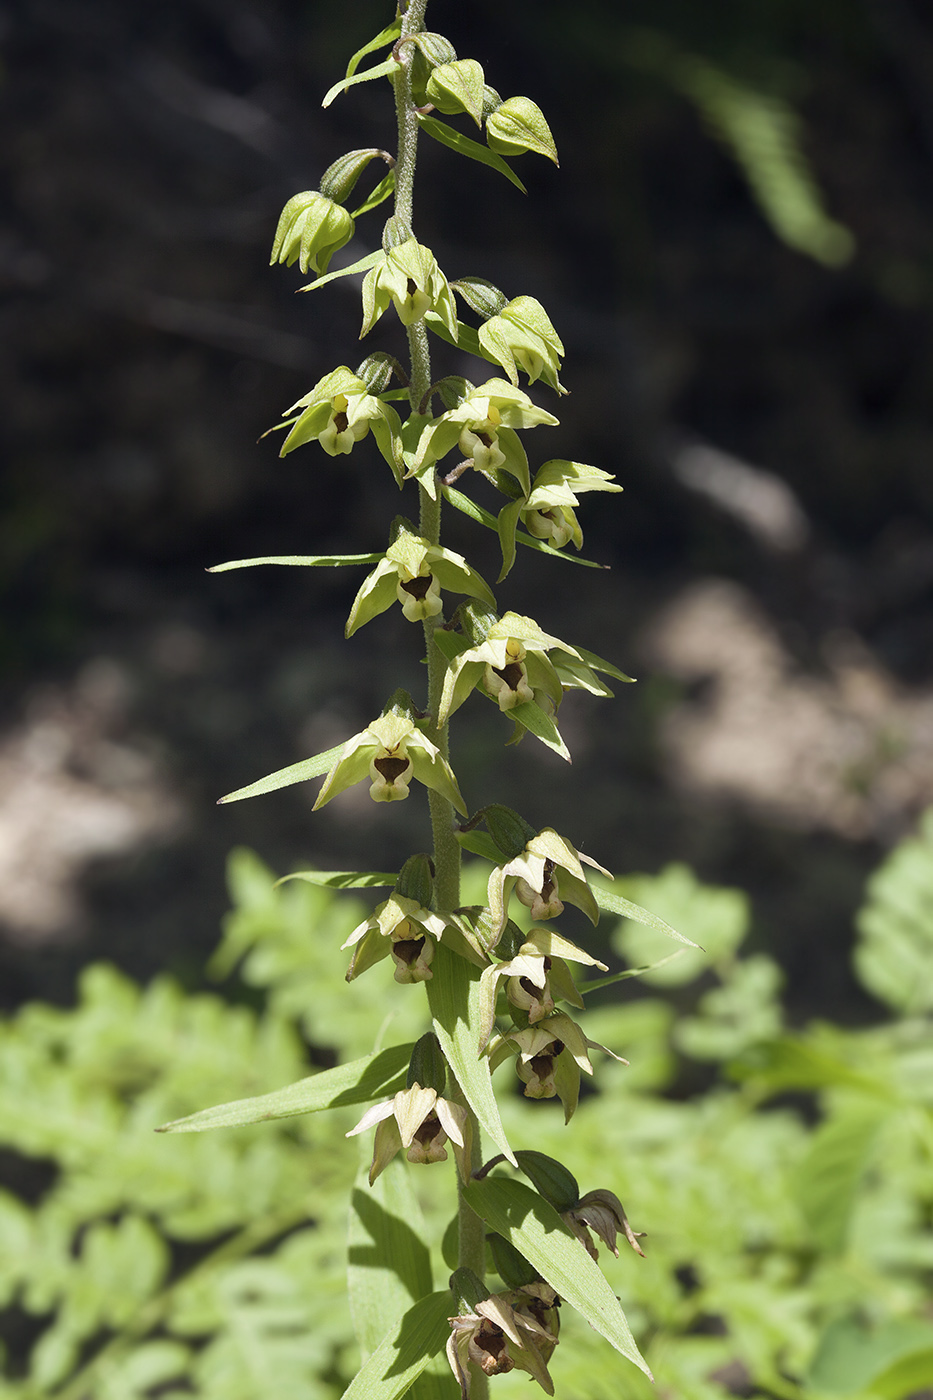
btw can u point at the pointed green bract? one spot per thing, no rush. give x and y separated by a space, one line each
538 1233
455 998
308 561
342 879
287 777
358 1082
615 904
386 69
450 136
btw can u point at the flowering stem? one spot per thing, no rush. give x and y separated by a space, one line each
472 1243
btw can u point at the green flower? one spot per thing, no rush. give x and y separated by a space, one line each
413 572
403 928
483 426
420 1121
511 665
545 874
548 512
409 276
339 411
310 230
522 337
536 977
551 1055
391 751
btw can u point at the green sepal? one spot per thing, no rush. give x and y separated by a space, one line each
550 1178
395 232
338 179
510 832
370 950
416 881
435 48
512 1267
318 561
427 1067
387 69
377 195
536 1230
458 87
450 136
376 595
480 296
372 1077
518 125
531 717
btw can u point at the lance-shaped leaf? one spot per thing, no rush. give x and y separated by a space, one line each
457 87
454 998
342 879
387 69
360 1081
518 125
382 40
388 1262
536 1230
616 904
287 777
405 1352
377 195
413 572
361 265
309 561
449 136
391 751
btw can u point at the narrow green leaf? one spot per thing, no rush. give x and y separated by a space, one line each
853 1358
384 37
536 1230
343 879
373 1076
615 904
405 1352
286 777
483 517
386 69
361 265
613 977
454 999
388 1262
449 136
378 195
313 561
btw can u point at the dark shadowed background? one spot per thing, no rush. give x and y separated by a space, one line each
737 254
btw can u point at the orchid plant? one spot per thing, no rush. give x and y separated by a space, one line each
497 992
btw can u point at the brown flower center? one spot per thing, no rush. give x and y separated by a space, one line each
391 768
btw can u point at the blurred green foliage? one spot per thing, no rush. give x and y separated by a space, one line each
787 1206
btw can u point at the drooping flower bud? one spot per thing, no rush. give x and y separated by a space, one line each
310 230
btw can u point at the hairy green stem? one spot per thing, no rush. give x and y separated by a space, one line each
471 1235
